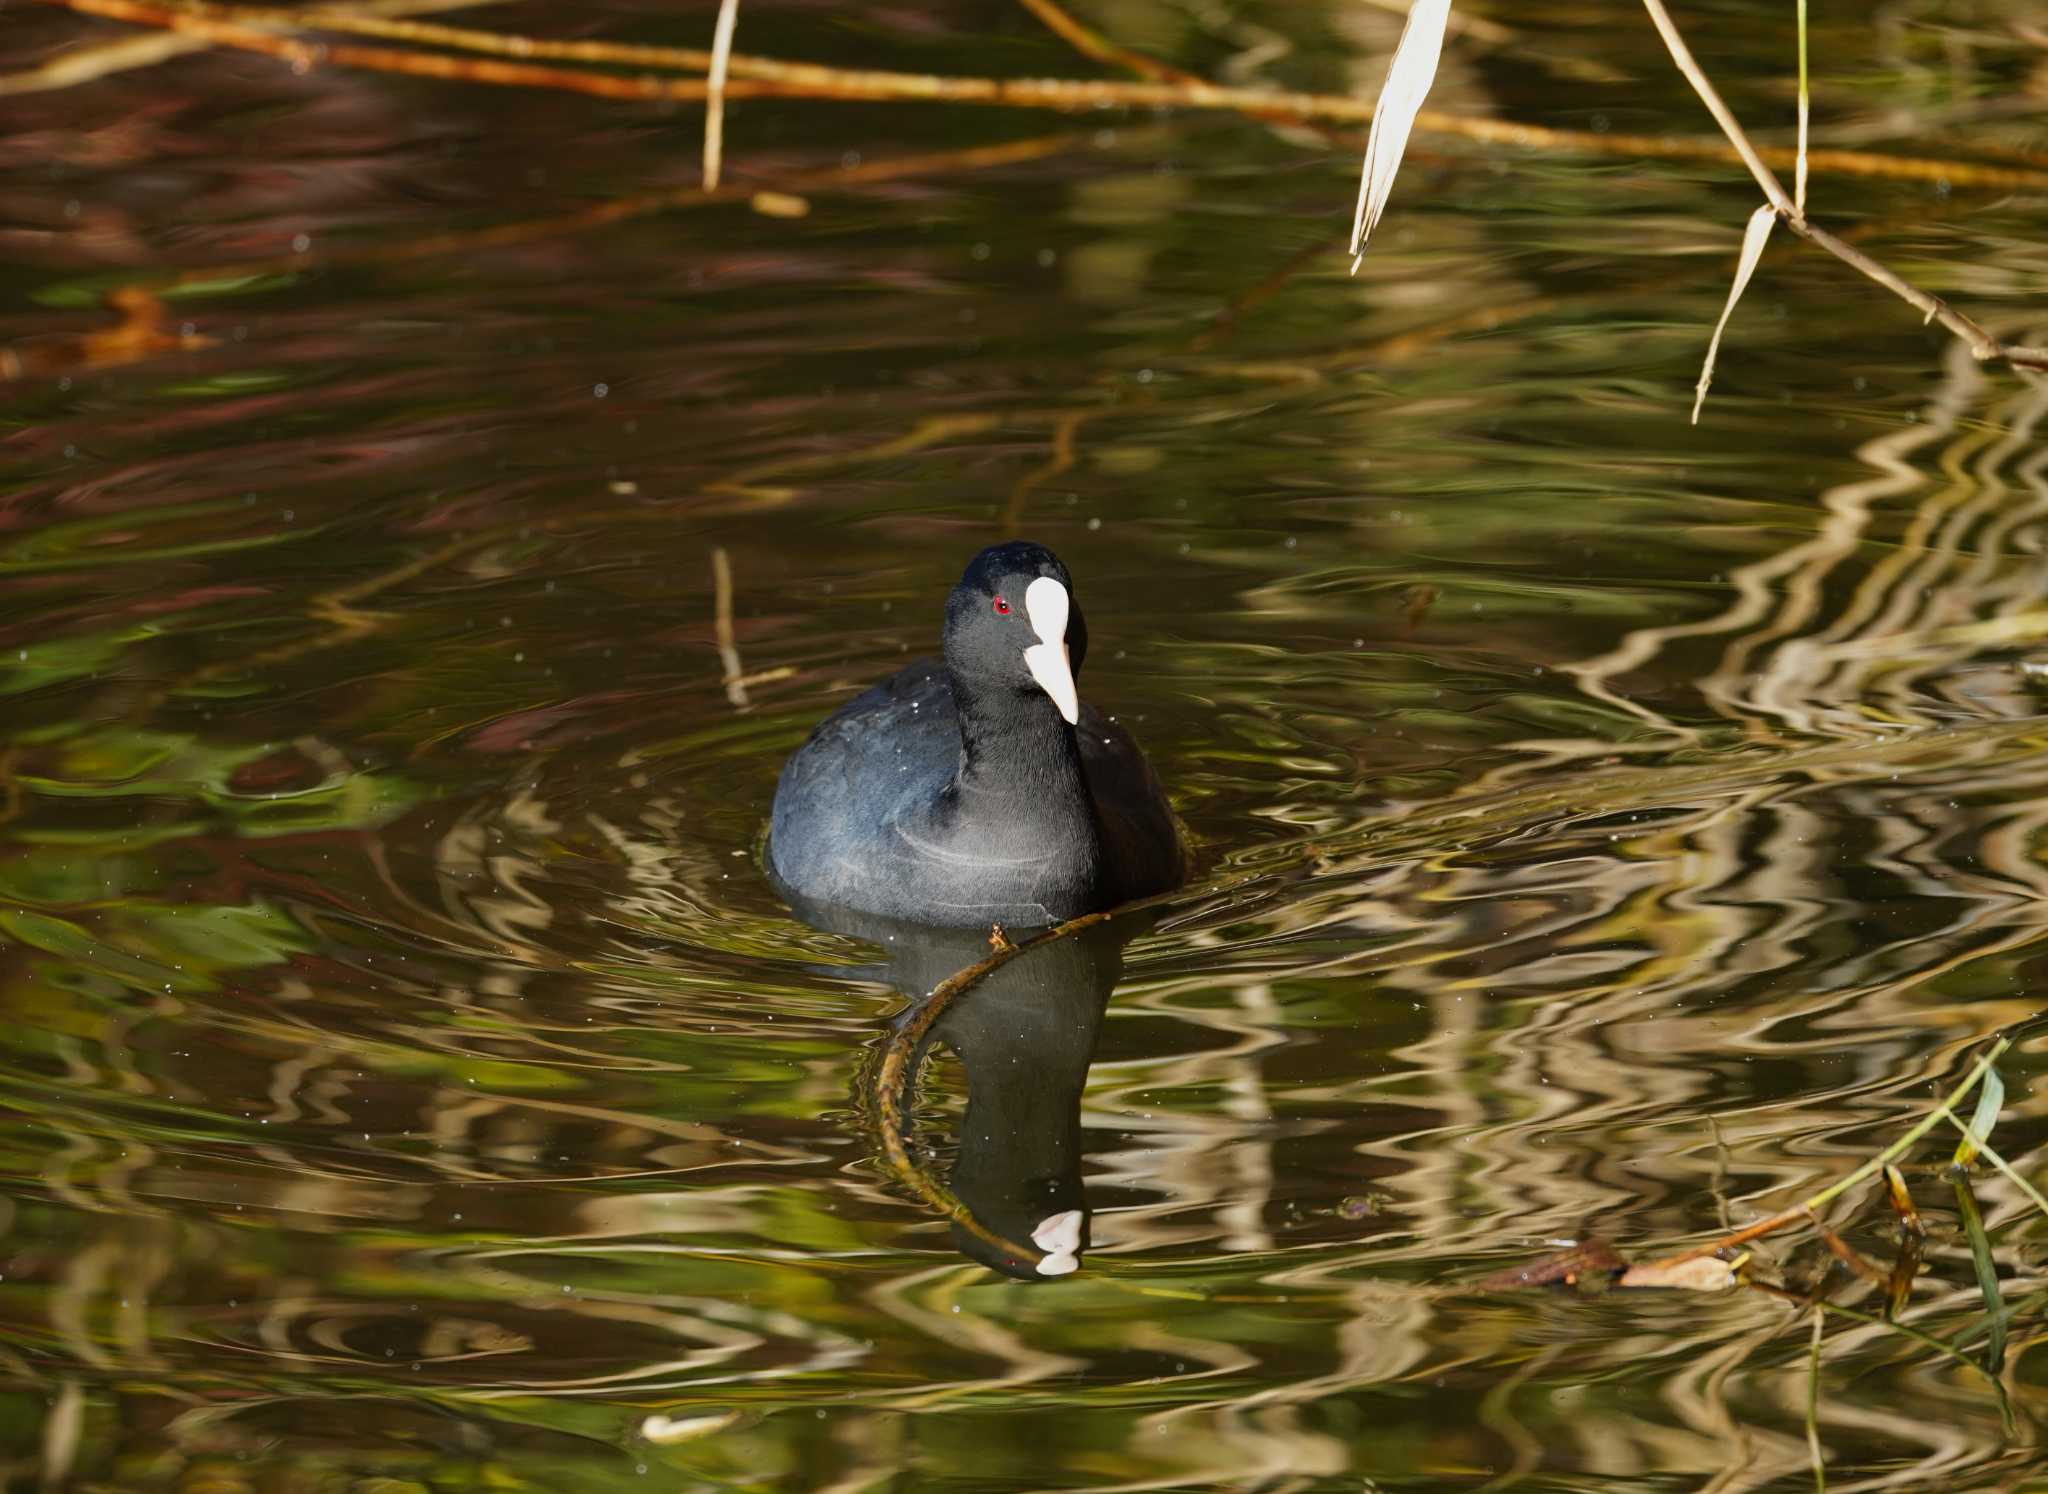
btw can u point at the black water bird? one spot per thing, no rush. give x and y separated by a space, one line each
976 788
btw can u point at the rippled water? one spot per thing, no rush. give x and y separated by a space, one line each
1608 826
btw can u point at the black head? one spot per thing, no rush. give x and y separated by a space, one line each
1013 621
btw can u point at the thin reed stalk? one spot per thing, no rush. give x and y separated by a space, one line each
261 28
714 91
1983 346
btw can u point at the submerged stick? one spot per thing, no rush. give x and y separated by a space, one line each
896 1070
722 629
1093 44
1813 1450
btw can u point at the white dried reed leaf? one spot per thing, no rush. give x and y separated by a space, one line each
1805 110
1753 239
1408 78
714 92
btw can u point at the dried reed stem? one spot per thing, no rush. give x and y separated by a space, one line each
1809 1207
721 622
1092 43
1983 346
714 91
752 76
88 64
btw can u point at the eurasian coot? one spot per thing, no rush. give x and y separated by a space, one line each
976 789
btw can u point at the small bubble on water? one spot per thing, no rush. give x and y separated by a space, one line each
601 390
301 243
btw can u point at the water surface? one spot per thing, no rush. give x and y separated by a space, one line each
1608 826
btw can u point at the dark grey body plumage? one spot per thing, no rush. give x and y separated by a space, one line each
954 793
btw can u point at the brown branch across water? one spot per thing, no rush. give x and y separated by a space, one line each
263 29
895 1070
1982 344
1093 44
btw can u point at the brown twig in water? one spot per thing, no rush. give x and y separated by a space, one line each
894 1072
10 785
1062 458
1846 1253
144 330
87 64
623 209
258 29
1983 346
305 56
728 645
1091 43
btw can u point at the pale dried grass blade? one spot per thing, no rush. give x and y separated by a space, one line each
1799 169
1702 1273
1401 96
714 91
1813 1448
1753 240
1990 1100
723 631
62 1432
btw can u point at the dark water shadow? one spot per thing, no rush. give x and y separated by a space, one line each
1025 1033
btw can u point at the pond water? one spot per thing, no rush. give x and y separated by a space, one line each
425 525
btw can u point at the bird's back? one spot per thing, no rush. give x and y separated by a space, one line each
857 800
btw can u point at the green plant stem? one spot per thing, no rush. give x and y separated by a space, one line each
1835 1189
1984 1150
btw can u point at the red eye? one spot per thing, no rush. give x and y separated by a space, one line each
1002 607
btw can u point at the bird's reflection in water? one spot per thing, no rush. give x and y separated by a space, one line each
1025 1033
